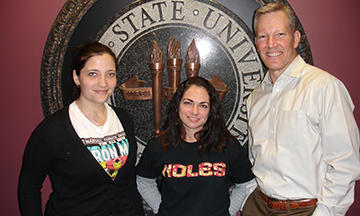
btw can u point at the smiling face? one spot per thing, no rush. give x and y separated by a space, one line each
275 42
194 110
97 79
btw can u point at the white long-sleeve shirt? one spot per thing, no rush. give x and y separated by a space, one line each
150 193
305 141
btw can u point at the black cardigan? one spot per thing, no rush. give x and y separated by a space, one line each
80 185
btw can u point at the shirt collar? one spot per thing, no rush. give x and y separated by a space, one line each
292 71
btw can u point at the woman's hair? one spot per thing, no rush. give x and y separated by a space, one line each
82 53
214 133
274 7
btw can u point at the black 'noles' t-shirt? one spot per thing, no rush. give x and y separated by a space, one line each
192 184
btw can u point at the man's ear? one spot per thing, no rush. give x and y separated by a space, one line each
76 78
297 37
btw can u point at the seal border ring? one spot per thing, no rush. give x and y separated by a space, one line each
58 40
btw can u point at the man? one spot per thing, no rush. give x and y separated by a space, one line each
305 141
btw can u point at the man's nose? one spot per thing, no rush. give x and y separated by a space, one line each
271 41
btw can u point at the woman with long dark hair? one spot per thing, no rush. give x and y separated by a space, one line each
195 157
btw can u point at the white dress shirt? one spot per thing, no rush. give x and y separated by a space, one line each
305 141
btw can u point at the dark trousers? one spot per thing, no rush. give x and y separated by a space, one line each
255 205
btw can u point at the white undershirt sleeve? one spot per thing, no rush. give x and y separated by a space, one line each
148 189
239 195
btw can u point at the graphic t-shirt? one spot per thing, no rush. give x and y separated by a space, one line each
193 184
108 143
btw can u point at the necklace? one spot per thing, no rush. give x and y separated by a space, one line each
99 122
95 122
98 118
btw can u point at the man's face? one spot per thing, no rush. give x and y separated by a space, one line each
275 41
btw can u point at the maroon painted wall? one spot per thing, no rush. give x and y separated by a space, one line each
332 29
24 29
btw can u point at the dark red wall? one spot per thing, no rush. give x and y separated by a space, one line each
24 29
332 28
